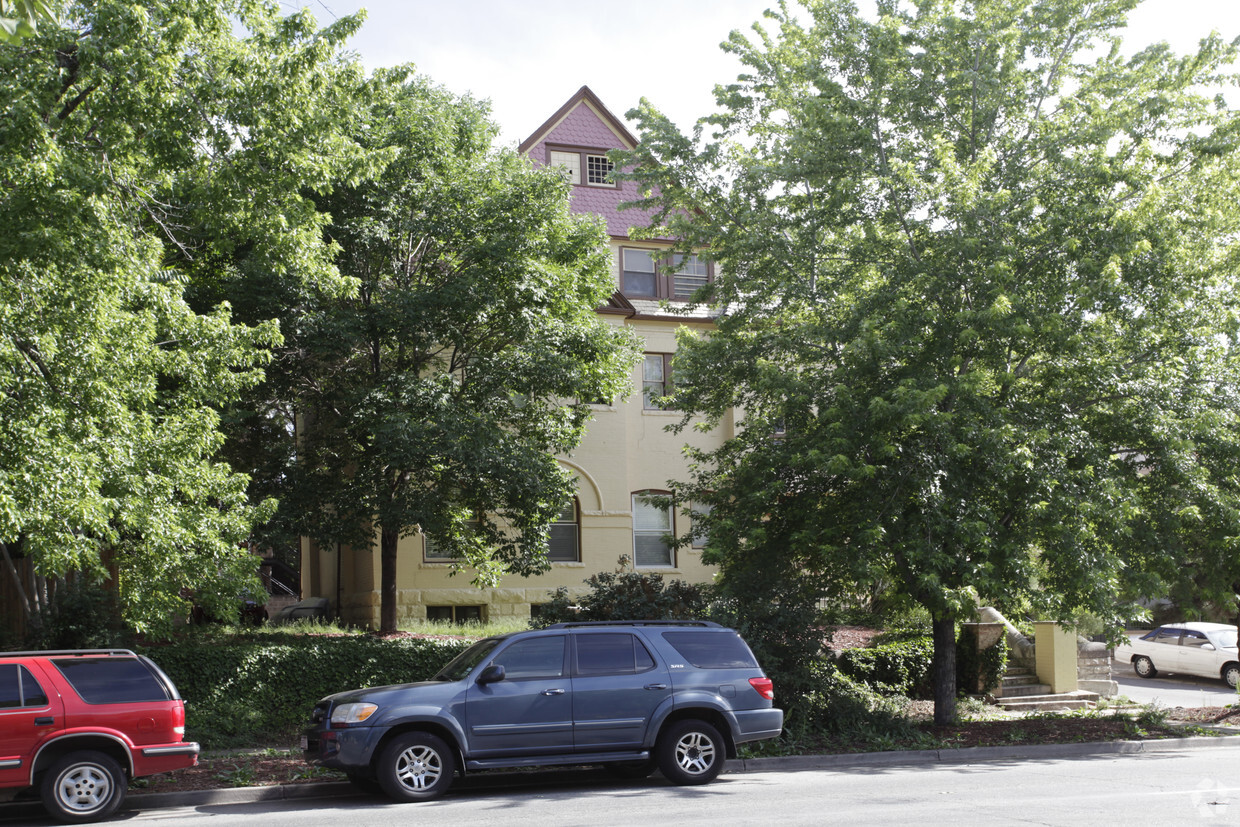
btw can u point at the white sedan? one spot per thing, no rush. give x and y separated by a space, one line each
1204 649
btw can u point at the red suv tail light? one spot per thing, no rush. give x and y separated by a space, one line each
764 687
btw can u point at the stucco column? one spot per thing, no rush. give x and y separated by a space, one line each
1055 656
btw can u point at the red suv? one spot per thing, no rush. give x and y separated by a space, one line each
77 725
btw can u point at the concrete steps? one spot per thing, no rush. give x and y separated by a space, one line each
1021 692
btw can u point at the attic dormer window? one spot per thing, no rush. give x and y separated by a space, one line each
578 163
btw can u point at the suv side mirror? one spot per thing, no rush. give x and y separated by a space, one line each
492 674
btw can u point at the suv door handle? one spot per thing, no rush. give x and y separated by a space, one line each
44 721
553 691
656 686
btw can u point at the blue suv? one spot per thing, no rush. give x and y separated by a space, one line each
635 696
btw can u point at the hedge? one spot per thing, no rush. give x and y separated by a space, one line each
259 693
900 666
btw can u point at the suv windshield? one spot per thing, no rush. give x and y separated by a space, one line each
460 666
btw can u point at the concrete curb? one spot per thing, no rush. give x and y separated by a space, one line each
791 763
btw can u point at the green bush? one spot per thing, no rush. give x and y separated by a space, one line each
627 595
259 691
843 711
81 615
899 664
974 668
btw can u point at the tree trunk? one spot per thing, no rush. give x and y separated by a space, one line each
387 585
944 631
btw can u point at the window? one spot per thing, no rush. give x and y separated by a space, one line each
700 534
573 161
432 552
454 614
598 171
563 542
652 530
612 654
712 650
656 380
538 657
568 162
18 688
690 274
643 273
639 273
112 680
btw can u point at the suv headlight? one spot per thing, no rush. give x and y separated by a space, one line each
350 714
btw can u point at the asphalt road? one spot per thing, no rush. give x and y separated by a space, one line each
1188 786
1172 690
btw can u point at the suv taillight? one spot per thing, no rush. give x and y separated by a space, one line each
764 687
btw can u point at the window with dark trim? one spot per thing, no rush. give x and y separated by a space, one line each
653 528
656 379
564 537
650 273
582 166
454 614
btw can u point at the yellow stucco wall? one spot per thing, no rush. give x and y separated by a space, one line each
626 449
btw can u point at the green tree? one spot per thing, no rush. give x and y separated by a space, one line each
980 277
142 142
21 18
436 397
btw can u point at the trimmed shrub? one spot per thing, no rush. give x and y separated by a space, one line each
898 664
627 595
255 692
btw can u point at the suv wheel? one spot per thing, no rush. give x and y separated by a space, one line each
416 766
691 752
82 787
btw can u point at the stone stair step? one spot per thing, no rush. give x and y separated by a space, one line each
1045 706
1019 680
1063 700
1026 691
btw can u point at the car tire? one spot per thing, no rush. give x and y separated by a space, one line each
82 787
1144 667
416 766
1231 674
691 753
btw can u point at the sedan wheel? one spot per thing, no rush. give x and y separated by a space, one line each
416 766
1231 674
691 752
1144 666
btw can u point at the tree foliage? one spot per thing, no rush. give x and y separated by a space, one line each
436 396
979 269
141 143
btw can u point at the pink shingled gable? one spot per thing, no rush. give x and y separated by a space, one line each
582 128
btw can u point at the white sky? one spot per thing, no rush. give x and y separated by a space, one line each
528 56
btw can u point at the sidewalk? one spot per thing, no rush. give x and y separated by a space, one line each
137 800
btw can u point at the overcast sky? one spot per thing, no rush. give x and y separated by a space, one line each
528 56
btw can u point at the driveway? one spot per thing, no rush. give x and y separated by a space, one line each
1171 690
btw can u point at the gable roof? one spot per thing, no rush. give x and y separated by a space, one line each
582 95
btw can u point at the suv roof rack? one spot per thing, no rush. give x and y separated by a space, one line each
65 652
581 623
